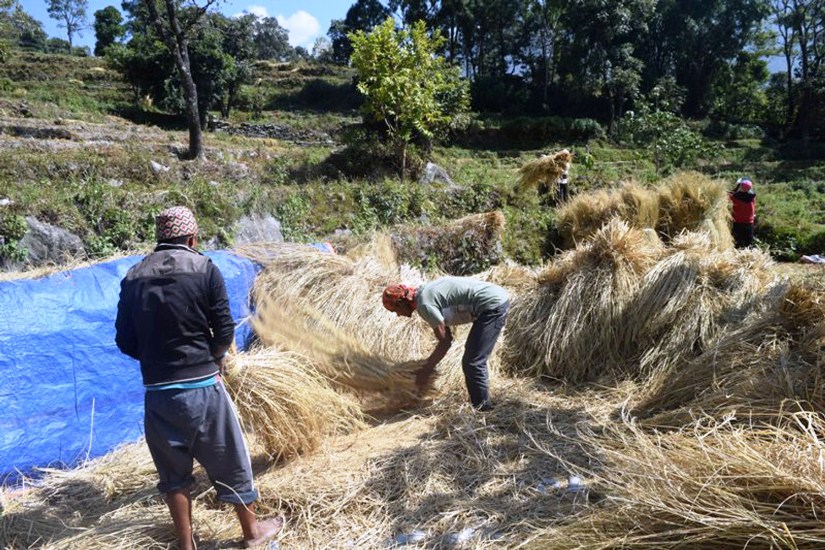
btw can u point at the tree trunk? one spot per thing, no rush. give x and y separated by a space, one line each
175 41
403 161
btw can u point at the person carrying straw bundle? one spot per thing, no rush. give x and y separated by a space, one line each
451 301
743 199
173 316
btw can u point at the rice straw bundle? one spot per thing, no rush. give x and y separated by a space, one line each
277 395
690 201
348 295
335 353
750 370
685 202
546 169
580 217
710 485
567 327
379 248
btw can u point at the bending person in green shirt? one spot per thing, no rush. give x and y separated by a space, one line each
451 301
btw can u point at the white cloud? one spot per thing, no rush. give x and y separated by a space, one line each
258 11
303 28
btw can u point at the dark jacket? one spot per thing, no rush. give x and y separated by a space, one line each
744 206
173 315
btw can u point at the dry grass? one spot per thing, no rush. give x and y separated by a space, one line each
277 396
546 169
684 202
710 485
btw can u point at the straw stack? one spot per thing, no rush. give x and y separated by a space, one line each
752 370
546 170
568 326
277 395
687 201
709 485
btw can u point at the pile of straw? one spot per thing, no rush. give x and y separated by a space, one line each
462 247
709 485
624 304
583 215
286 403
340 356
687 201
771 358
569 326
546 170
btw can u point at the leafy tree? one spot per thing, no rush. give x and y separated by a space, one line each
408 90
271 39
669 139
739 91
19 28
174 27
71 14
108 28
695 41
363 15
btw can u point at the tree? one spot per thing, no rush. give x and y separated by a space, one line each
108 28
363 15
19 28
174 29
695 41
271 39
71 14
408 89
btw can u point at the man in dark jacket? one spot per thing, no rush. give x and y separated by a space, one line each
173 316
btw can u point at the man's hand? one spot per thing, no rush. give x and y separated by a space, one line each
422 375
221 362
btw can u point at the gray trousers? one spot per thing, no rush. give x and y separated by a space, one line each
479 346
198 424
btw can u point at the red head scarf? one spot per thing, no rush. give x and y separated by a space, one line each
394 293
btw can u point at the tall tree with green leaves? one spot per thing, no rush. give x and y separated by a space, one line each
408 89
108 27
363 15
71 15
174 25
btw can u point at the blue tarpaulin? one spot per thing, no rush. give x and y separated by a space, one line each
66 391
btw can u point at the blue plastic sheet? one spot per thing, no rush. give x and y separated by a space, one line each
66 391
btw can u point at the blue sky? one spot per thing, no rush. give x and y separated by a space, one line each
305 20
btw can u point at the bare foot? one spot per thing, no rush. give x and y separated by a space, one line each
267 529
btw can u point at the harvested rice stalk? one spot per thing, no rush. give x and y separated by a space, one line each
335 352
286 403
546 169
582 216
710 485
568 326
690 201
348 293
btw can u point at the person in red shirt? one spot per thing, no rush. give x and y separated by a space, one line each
743 198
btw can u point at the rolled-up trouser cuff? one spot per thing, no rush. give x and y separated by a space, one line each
227 495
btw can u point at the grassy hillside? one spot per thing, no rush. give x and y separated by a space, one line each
75 151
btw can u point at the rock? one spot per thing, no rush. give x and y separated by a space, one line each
158 168
433 172
6 202
115 183
238 169
49 244
256 229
